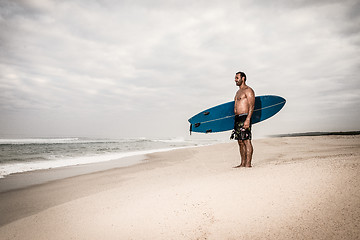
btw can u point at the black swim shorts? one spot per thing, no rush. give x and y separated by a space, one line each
239 133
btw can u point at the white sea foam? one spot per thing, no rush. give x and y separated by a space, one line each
171 140
7 169
38 140
22 155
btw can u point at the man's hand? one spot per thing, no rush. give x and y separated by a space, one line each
247 124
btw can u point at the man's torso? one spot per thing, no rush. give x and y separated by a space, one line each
241 101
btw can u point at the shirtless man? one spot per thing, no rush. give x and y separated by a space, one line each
244 108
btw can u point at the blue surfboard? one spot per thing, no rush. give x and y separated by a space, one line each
221 118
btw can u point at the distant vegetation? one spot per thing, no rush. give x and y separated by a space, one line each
317 134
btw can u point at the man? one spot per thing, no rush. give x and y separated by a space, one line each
243 109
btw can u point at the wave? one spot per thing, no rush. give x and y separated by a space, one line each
25 141
37 140
19 167
28 154
171 140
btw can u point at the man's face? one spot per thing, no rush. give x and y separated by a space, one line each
238 80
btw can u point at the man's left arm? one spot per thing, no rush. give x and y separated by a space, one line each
250 95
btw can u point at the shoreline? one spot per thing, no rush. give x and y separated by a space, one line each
297 188
26 178
20 180
25 155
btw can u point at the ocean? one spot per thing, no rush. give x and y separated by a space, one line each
22 155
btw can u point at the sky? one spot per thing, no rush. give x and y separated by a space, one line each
128 69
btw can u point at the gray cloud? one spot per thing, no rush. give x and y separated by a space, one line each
96 68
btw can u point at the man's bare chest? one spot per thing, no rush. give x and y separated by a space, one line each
240 95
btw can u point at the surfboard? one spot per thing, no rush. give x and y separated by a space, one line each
221 117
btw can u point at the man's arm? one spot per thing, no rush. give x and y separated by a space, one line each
250 95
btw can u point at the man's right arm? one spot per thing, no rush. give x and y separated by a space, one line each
250 96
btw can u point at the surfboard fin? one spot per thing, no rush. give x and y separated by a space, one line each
190 128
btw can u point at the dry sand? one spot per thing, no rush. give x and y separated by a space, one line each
299 188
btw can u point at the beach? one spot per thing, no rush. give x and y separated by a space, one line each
298 188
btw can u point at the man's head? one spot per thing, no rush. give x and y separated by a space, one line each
240 77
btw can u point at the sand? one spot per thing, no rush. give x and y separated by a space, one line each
298 188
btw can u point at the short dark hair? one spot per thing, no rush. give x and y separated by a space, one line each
242 75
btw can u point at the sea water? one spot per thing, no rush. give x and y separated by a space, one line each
21 155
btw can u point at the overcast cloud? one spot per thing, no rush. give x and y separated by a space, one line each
111 68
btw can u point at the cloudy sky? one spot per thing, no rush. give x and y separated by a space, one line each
110 68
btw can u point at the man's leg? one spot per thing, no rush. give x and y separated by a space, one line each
242 149
248 152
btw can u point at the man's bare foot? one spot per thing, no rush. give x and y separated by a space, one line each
239 166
